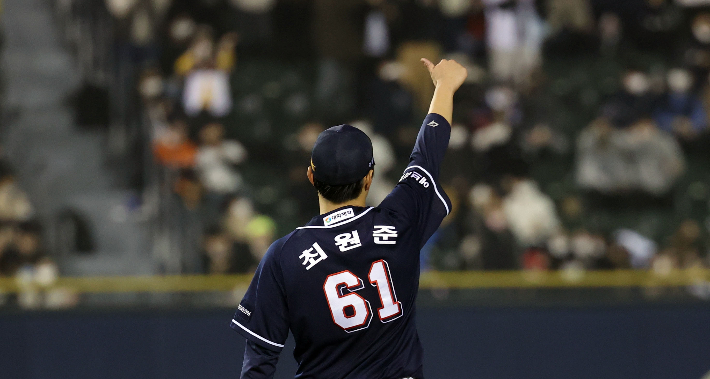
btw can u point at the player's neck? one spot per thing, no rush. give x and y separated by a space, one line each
327 206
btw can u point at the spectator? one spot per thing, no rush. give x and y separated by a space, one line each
616 257
8 254
23 250
226 57
216 158
633 102
495 138
455 17
686 244
150 85
658 26
338 39
683 251
200 52
181 32
297 156
530 213
389 104
186 221
587 249
190 190
135 26
680 111
383 153
696 52
514 37
207 89
641 158
575 15
254 23
260 231
600 161
488 220
502 38
14 202
610 33
224 256
173 148
640 248
240 211
659 161
535 259
376 41
206 70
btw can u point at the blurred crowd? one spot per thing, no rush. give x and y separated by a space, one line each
22 249
532 187
579 140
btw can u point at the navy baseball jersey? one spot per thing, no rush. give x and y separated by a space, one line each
346 283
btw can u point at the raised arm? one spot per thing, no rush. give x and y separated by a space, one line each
433 138
448 76
418 197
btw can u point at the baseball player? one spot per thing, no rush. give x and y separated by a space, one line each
346 283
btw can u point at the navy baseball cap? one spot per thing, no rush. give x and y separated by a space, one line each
342 155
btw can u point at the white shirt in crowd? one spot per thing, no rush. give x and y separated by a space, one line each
531 214
207 90
502 26
214 164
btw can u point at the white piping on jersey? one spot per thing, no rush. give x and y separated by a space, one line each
338 224
256 335
432 180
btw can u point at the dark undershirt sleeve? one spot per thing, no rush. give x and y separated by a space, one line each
259 362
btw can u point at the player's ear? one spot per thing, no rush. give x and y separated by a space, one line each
309 174
367 182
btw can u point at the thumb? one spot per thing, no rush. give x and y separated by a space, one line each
428 64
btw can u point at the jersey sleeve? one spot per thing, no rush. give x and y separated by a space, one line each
418 197
262 315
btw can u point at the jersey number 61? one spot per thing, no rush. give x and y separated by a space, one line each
351 311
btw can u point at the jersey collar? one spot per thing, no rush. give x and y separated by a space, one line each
337 216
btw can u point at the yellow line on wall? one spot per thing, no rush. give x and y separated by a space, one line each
454 280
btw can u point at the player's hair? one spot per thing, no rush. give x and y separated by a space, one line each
339 194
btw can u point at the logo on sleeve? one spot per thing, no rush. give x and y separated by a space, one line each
311 258
417 176
338 216
433 124
385 235
244 310
347 241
